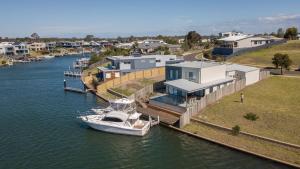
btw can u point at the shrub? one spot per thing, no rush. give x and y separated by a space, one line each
236 130
3 62
251 116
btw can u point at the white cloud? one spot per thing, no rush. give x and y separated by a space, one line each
279 18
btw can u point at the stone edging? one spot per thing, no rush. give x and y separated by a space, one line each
248 134
236 148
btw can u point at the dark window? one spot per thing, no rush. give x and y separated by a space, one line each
157 60
113 119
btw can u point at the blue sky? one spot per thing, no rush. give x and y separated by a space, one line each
112 18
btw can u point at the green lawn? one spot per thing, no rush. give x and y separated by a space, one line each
275 100
131 87
263 57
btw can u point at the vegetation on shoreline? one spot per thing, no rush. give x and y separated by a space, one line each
109 52
246 142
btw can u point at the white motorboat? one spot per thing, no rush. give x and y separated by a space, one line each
118 122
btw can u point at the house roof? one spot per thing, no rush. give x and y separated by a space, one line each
140 57
189 86
242 68
235 38
104 69
196 64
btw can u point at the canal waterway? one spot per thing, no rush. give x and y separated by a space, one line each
39 130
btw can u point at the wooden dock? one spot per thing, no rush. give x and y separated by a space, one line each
165 117
72 73
76 90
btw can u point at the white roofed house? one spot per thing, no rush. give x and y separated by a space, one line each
21 49
237 43
7 49
250 74
37 46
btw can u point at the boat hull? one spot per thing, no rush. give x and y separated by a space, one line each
119 130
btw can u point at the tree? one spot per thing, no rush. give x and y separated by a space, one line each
192 39
282 61
280 33
89 37
291 33
35 36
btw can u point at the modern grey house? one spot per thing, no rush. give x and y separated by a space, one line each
139 62
195 78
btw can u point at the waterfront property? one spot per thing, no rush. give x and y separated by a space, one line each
236 43
105 74
7 49
50 46
187 82
21 49
67 44
37 46
195 78
126 64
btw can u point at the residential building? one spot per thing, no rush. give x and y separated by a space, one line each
50 45
37 46
233 44
6 48
229 34
250 74
67 44
298 36
105 74
139 62
196 78
125 45
20 49
148 46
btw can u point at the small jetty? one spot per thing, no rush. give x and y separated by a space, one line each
76 90
72 73
72 89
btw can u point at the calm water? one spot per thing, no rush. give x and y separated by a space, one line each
39 130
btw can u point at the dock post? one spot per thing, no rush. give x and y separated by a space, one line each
84 87
65 83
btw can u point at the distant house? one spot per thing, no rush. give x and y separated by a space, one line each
140 62
37 46
125 45
148 46
67 44
50 45
298 36
229 34
6 48
21 49
233 44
